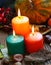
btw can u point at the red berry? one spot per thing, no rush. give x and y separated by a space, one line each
49 22
8 9
4 20
2 9
3 14
0 15
0 19
7 12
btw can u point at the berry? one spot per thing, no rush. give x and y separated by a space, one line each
0 14
2 9
3 14
0 19
8 9
5 17
7 12
4 20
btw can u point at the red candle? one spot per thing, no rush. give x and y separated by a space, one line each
34 41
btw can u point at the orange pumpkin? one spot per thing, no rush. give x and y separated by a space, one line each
37 10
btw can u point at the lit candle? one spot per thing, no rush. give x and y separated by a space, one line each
21 24
15 44
34 41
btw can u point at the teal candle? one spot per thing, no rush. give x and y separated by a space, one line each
15 44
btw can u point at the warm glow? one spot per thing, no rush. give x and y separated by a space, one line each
13 33
30 1
19 12
33 29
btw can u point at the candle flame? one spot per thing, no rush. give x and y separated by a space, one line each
33 29
13 33
19 12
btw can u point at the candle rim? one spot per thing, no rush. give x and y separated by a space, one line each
16 21
33 36
10 38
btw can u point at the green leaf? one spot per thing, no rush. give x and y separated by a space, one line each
1 55
1 46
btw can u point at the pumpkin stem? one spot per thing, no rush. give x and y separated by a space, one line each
31 3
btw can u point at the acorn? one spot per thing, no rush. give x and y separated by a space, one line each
18 63
18 57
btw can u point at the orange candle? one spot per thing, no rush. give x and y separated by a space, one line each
21 24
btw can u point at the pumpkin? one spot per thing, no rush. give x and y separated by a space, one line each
38 11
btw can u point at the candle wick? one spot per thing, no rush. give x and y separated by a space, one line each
32 33
19 17
14 36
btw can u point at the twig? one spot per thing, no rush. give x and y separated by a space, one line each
46 31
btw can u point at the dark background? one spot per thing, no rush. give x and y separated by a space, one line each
7 3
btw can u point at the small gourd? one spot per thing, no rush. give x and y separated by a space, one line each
49 22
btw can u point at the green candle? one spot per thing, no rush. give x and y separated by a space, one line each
15 44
